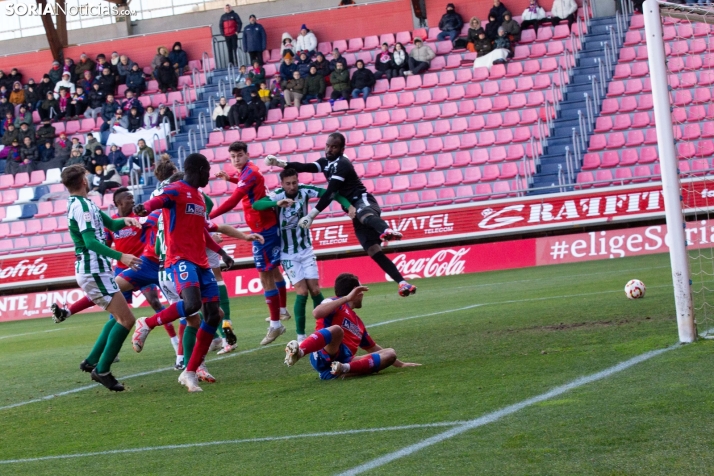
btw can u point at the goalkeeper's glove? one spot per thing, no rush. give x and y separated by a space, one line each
273 161
306 221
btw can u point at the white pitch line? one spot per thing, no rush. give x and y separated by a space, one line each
233 442
30 333
503 412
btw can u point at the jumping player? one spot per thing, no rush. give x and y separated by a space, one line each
94 273
339 333
251 187
297 255
371 230
186 239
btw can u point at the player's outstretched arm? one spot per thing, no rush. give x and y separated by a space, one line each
159 201
329 306
92 244
239 235
264 203
351 210
119 223
215 247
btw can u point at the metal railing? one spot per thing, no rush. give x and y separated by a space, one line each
192 142
578 147
608 59
177 122
596 85
181 156
590 112
205 62
220 52
568 173
205 126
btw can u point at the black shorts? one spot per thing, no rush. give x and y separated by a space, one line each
366 235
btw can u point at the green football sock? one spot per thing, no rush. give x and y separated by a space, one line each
101 342
317 300
299 309
114 342
225 306
189 340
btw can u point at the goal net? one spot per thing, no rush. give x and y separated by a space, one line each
680 48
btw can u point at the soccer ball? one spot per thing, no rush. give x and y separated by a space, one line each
635 289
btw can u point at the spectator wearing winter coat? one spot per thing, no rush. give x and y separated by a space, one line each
95 101
49 109
135 81
123 67
165 113
306 41
78 101
162 54
23 115
303 65
9 134
45 86
276 96
46 151
46 131
450 24
383 63
65 83
29 153
294 90
114 61
492 28
109 108
87 81
257 73
503 42
17 95
101 64
254 40
178 58
76 158
472 35
286 70
134 120
264 95
322 66
511 27
151 118
63 148
69 67
14 75
399 60
362 81
419 58
108 179
108 127
230 25
131 102
563 10
92 145
107 82
116 157
96 159
340 81
337 58
26 130
497 11
6 107
4 81
31 94
256 111
166 77
144 155
55 73
482 45
314 86
9 119
247 89
220 114
238 113
85 64
287 45
532 16
15 162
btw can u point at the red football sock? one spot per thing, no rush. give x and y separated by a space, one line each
81 305
170 329
313 343
273 303
182 326
203 342
283 293
168 315
365 365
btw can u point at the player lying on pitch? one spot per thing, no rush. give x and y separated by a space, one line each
339 333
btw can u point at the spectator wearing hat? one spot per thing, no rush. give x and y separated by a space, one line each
116 157
178 58
123 67
46 131
362 81
450 24
287 45
230 25
419 58
492 28
65 83
482 45
254 40
306 42
338 58
63 148
162 54
383 63
31 96
151 118
166 77
165 114
68 67
511 27
46 154
314 86
114 60
340 80
532 16
277 100
502 42
85 64
134 80
107 81
220 114
49 109
55 73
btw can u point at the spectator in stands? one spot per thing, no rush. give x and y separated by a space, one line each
134 120
26 130
114 61
294 90
87 81
362 81
254 40
134 80
256 111
9 134
4 81
220 114
276 96
9 120
14 159
76 157
144 155
100 64
303 64
116 157
55 73
472 35
29 154
264 95
130 101
63 148
31 96
162 54
166 76
238 113
124 66
247 89
92 145
286 71
419 58
532 16
151 118
110 126
107 82
165 114
65 83
511 27
287 45
492 28
64 105
4 92
46 153
95 101
450 24
241 76
563 10
497 12
109 107
502 42
230 25
340 80
257 73
337 58
95 163
5 107
314 86
383 63
23 115
46 131
322 66
45 86
79 102
178 58
85 64
49 109
68 67
306 42
17 95
76 144
108 179
14 75
482 45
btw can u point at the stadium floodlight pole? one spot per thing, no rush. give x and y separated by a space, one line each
671 191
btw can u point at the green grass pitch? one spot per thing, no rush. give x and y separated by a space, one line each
486 341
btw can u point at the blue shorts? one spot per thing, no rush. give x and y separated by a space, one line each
186 274
147 275
267 255
322 362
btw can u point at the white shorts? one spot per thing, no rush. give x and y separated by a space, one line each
167 286
99 287
214 259
299 266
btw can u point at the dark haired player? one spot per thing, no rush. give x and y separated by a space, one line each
339 334
369 227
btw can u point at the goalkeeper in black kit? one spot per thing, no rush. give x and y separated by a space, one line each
371 230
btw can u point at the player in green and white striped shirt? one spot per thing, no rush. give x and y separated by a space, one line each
93 271
297 255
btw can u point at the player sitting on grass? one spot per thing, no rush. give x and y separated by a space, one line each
94 275
371 230
339 333
297 254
